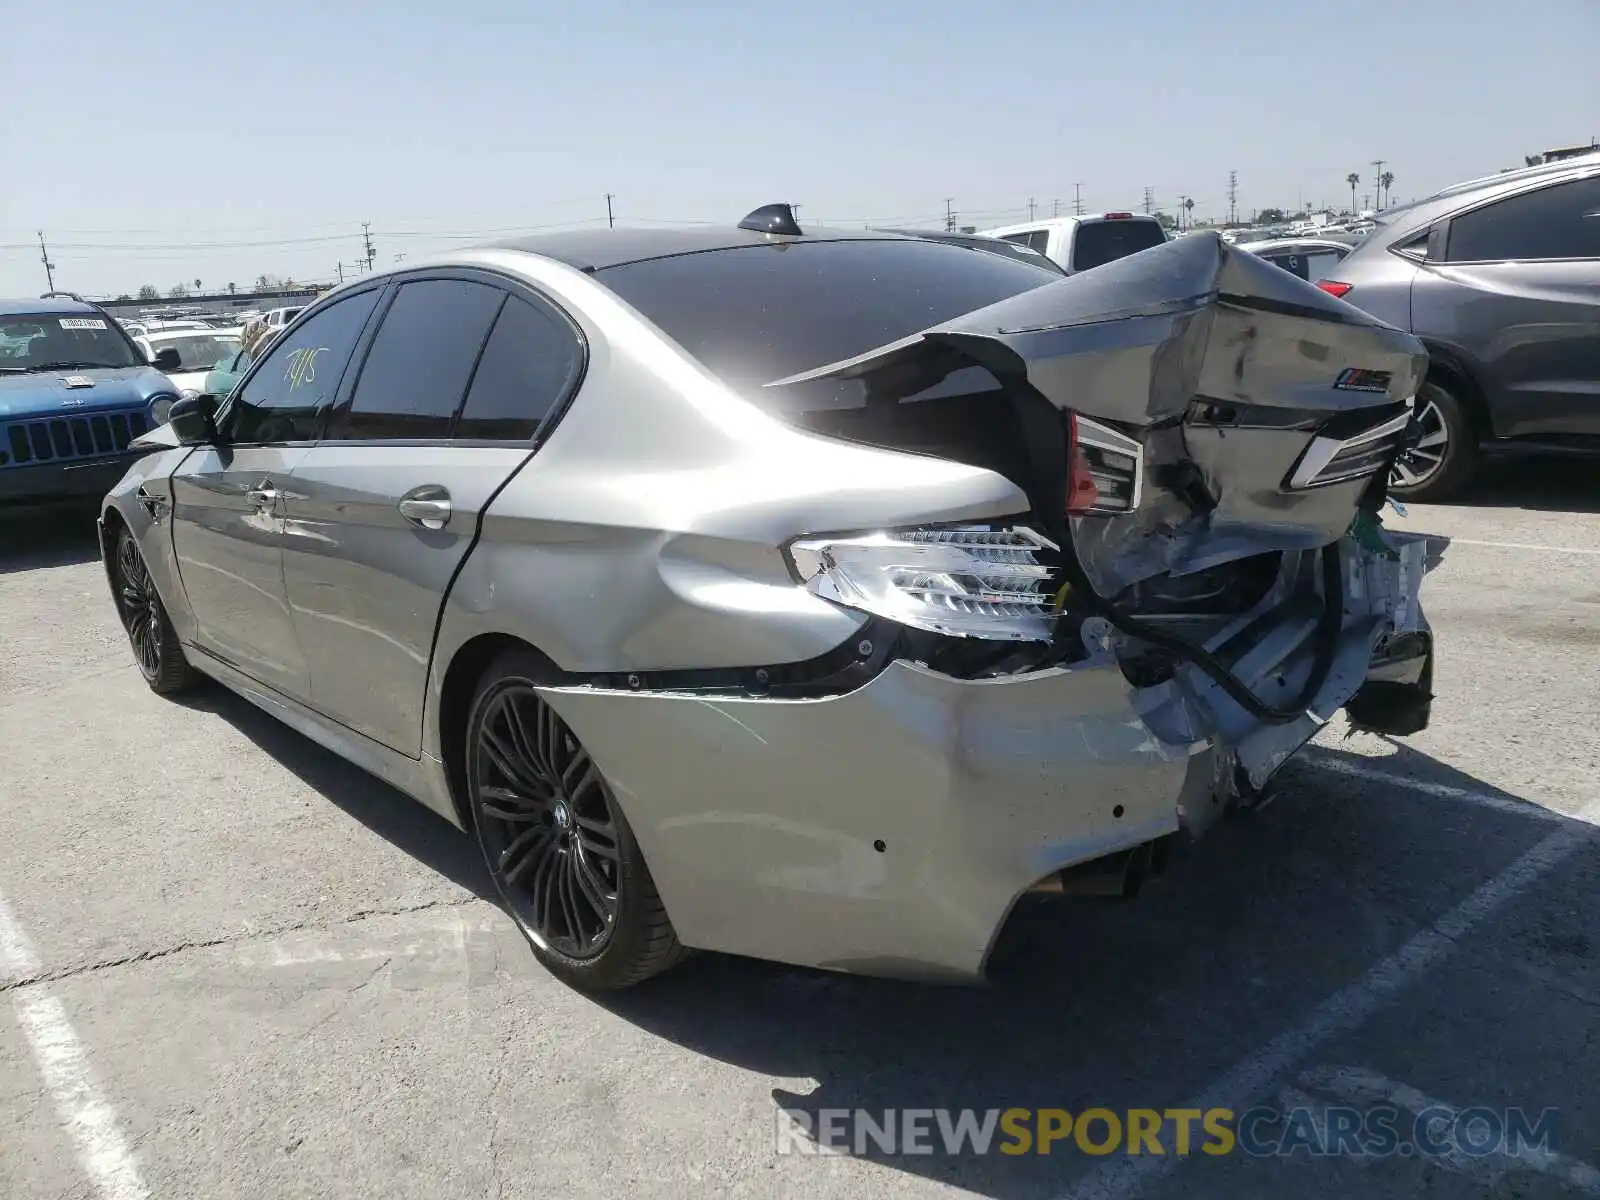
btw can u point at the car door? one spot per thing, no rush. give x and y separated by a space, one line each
227 515
1517 291
382 512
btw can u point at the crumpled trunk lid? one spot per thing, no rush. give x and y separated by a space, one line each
1239 409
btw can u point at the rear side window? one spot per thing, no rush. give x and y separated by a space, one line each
1038 239
1100 242
532 359
416 373
758 313
1562 221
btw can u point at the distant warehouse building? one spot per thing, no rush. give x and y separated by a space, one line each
221 302
1551 156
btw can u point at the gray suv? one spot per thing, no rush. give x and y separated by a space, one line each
1500 279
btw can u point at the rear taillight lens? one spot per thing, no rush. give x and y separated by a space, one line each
1333 287
967 581
1082 492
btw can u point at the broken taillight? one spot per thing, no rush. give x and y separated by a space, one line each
1082 492
1333 287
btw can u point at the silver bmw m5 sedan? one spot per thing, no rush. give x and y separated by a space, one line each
810 596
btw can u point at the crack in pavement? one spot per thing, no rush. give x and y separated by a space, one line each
144 956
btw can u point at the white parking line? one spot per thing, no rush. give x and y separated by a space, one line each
64 1065
1253 1076
1461 541
1445 791
1357 1086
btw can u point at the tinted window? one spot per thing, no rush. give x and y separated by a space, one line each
759 313
1319 262
1554 222
1291 262
299 375
532 359
1100 242
421 359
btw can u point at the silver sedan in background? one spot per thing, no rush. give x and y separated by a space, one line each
805 596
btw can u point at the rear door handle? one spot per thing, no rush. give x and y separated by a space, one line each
431 511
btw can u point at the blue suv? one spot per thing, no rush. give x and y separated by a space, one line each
74 391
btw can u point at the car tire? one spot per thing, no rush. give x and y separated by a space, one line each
1448 453
156 649
562 855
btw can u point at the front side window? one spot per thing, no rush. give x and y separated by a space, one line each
421 360
297 379
199 350
1561 221
531 361
62 342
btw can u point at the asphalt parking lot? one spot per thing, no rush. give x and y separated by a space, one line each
237 967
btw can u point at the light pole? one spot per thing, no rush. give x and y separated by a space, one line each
1378 164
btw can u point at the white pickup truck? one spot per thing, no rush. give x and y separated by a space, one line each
1078 243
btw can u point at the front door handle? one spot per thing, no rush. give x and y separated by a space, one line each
430 511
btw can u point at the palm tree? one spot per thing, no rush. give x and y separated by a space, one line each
1188 207
1386 181
231 289
1352 179
197 285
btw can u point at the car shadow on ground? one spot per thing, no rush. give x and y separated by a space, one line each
52 537
392 815
1543 484
1133 1004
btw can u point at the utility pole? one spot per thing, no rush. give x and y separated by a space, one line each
1077 199
366 234
1055 208
49 267
340 267
1183 207
1030 209
1233 197
1148 194
1378 164
611 221
949 215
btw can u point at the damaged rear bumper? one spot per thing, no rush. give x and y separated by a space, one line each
890 830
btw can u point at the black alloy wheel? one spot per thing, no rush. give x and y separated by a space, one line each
554 839
155 644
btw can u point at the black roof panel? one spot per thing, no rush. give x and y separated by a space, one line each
597 249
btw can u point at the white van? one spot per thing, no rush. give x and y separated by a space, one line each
1078 243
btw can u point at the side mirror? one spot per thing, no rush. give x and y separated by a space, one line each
166 359
194 419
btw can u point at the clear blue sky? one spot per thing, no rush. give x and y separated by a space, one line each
138 135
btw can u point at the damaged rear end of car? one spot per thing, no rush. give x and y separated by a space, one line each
1206 443
1045 699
